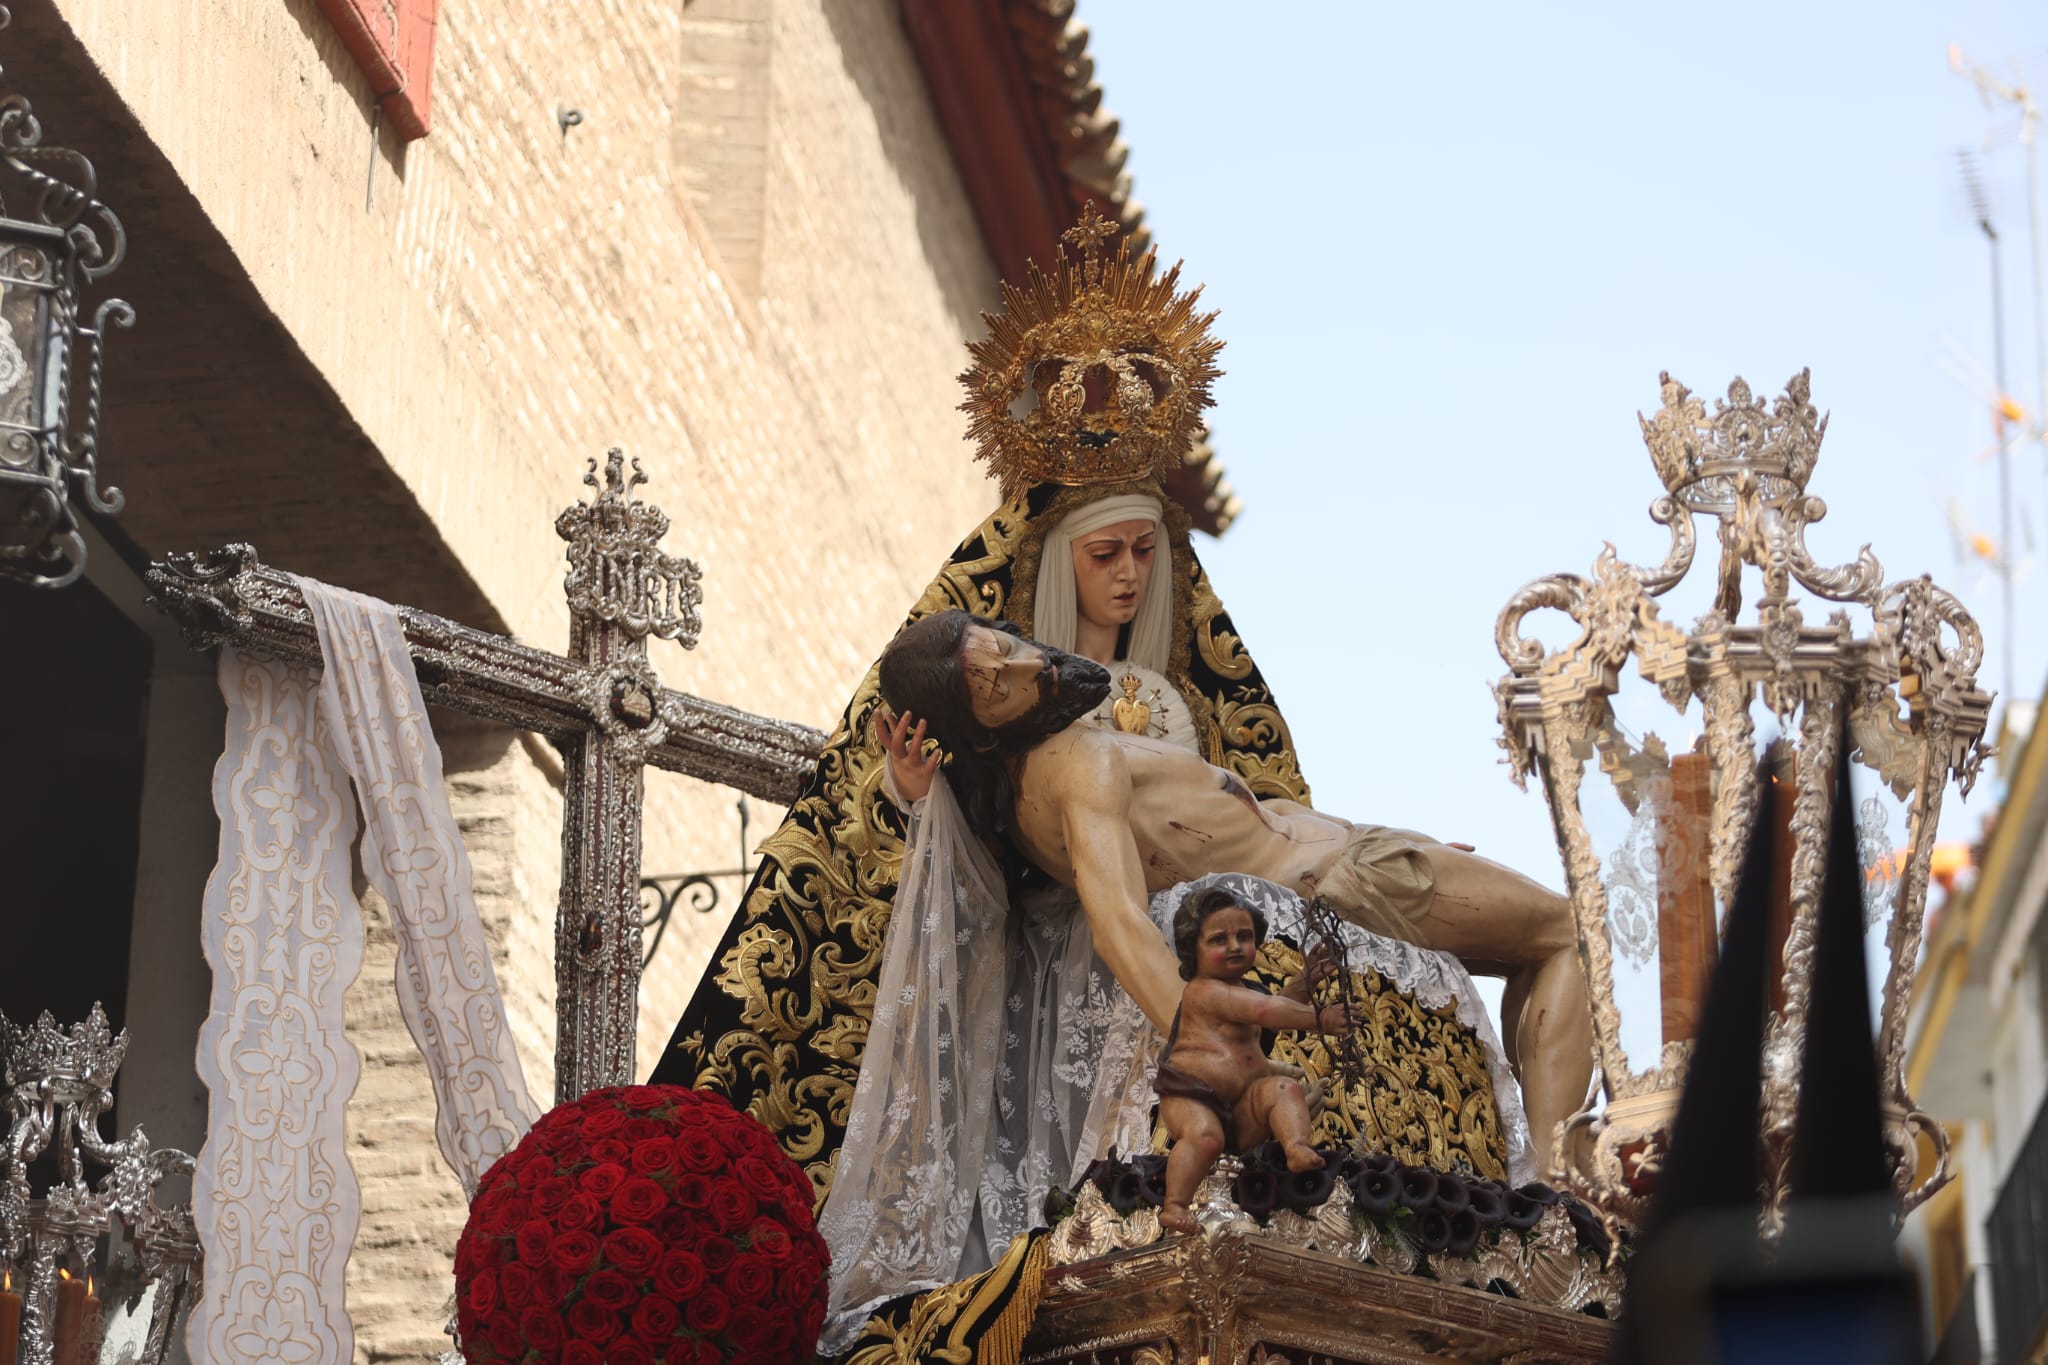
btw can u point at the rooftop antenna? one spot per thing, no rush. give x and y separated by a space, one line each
1995 92
2002 408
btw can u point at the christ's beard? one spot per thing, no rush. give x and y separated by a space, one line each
1069 687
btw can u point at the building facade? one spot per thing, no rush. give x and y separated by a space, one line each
401 269
1979 1062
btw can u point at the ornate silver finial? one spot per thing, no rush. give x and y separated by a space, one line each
1703 459
85 1055
111 1228
617 570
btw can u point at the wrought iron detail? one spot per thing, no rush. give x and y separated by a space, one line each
55 238
661 893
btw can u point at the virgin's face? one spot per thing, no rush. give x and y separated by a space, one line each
1112 567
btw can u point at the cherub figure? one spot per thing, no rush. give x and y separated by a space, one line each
1217 1089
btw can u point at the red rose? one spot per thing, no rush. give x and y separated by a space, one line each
732 1206
627 1351
633 1250
554 1138
771 1239
679 1275
640 1129
672 1224
609 1289
752 1278
656 1319
759 1178
579 1210
574 1251
515 1285
551 1283
653 1154
717 1254
503 1334
639 1199
581 1353
610 1149
599 1122
592 1322
646 1097
698 1155
737 1138
749 1327
532 1240
550 1194
506 1212
799 1286
542 1329
694 1191
483 1292
707 1311
601 1182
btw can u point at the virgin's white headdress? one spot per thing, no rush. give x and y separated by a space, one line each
1056 610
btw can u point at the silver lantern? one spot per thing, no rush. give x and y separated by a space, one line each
1658 748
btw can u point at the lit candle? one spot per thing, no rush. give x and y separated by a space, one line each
10 1319
70 1313
87 1351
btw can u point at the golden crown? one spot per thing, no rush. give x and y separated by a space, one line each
1098 374
1701 458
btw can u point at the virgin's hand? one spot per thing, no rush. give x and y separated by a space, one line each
903 745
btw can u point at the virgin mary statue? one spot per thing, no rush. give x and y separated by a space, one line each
918 1015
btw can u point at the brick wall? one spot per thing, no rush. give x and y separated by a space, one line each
750 265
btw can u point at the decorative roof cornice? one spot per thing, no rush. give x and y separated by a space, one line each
1016 93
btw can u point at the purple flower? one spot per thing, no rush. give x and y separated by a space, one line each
1432 1230
1375 1192
1418 1187
1464 1233
1257 1191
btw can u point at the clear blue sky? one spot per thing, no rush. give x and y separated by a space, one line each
1454 245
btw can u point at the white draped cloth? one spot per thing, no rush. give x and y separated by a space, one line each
274 1196
1004 1058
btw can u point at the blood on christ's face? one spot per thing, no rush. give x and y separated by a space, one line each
1227 945
1004 675
1112 568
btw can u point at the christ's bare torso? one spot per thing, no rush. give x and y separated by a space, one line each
1187 817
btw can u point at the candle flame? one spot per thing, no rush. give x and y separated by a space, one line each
7 1280
63 1273
88 1286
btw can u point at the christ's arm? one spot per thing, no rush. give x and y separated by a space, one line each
1091 788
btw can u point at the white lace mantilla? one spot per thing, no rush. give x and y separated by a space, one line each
274 1196
1003 1058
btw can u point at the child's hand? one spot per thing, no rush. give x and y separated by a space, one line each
1334 1019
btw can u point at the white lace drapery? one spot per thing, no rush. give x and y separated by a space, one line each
274 1196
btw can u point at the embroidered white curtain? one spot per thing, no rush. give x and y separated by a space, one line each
275 1199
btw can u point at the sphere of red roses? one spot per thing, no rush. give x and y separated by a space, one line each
641 1223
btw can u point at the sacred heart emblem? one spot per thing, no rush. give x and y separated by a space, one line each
1132 716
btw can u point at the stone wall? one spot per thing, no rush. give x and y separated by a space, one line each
495 304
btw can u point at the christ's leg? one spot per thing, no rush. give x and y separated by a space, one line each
1497 921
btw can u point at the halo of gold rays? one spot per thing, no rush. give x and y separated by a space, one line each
1149 352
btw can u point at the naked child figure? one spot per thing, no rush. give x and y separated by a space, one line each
1217 1089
